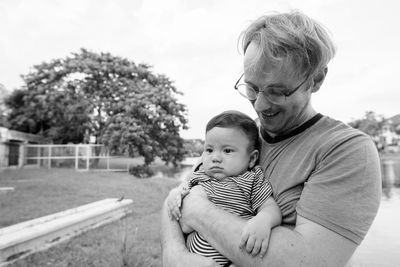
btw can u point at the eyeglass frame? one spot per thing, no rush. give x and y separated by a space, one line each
259 91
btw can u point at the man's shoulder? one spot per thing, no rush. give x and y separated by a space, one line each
331 130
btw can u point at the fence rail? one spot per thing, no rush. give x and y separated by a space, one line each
83 157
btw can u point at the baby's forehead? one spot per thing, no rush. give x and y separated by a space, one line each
227 134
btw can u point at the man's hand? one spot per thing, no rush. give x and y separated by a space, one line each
174 251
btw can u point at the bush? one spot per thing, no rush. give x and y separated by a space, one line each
141 171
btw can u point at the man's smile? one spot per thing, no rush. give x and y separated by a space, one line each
269 114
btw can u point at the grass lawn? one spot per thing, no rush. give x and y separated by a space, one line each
39 192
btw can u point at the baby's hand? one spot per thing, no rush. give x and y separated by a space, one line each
174 201
255 238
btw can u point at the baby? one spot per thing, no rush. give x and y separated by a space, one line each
232 181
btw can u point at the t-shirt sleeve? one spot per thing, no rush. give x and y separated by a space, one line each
262 189
343 193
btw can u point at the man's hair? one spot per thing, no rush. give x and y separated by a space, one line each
290 36
237 120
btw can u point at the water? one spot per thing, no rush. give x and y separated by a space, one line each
381 246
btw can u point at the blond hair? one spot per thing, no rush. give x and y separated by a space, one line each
291 36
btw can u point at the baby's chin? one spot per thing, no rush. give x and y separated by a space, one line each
217 175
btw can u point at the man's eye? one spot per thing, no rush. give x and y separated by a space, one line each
276 91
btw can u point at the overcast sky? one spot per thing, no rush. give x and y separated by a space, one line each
195 44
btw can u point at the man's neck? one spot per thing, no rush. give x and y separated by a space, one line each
294 131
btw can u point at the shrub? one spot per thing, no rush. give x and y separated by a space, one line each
141 171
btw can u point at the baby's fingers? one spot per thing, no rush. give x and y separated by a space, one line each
170 208
185 192
176 213
264 248
178 200
173 210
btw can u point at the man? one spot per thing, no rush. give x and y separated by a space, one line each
324 174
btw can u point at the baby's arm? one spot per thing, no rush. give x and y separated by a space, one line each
174 200
255 234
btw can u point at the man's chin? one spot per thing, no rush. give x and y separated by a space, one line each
272 130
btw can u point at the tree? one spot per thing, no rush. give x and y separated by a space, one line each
194 147
395 120
370 124
124 105
3 108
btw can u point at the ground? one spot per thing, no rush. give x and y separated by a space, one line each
133 241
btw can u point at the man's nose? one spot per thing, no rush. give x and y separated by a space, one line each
261 103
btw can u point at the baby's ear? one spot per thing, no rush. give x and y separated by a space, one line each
253 158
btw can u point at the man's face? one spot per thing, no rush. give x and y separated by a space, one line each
225 152
277 119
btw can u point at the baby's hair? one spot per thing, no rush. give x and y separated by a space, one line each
238 120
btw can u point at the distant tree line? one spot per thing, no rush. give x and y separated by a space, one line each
194 147
373 125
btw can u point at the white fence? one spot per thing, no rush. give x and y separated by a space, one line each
82 157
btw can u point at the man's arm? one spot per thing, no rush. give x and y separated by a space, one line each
174 252
308 244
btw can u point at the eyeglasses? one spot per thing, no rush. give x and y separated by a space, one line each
275 94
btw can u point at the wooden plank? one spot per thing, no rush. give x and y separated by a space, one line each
22 239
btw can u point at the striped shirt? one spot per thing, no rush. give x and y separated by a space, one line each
241 195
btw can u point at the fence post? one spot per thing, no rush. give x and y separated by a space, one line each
76 157
108 159
21 157
39 159
87 157
49 166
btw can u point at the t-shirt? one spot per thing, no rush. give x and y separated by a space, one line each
241 195
326 172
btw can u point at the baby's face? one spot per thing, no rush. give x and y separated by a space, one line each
225 152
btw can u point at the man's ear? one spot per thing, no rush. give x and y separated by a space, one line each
319 79
253 158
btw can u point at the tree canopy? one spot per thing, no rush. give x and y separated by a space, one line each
370 124
125 105
3 109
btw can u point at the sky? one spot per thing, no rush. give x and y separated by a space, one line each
195 44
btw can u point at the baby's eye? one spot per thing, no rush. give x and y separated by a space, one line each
228 150
208 150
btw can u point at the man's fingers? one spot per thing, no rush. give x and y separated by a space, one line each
264 248
243 240
256 248
250 244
